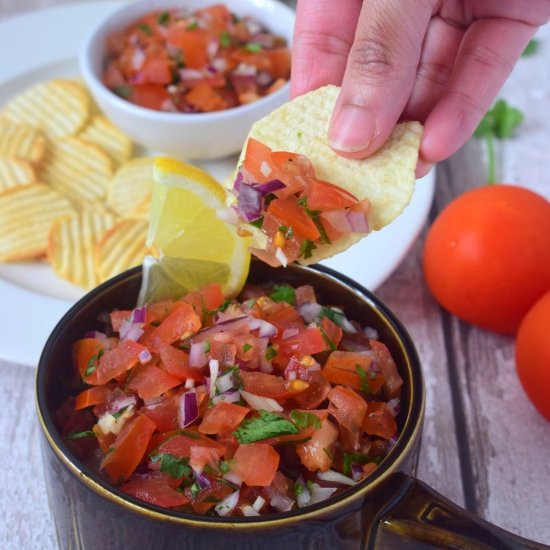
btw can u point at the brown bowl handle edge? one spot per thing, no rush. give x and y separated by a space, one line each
420 517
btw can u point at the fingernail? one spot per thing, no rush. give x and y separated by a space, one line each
352 129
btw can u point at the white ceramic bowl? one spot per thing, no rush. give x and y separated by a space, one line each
199 136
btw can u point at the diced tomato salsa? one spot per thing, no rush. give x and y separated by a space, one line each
182 61
260 405
278 193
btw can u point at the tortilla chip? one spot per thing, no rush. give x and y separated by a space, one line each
15 171
386 178
21 141
72 240
102 132
78 169
121 248
26 215
131 186
57 107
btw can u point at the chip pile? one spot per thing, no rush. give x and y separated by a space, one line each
70 191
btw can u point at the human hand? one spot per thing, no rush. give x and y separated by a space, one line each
441 62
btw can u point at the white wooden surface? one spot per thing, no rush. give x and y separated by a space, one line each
484 446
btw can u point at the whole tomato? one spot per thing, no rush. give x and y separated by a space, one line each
487 255
533 355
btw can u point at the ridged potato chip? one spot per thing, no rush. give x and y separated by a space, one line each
15 171
121 248
102 132
21 141
72 242
131 186
57 107
77 169
26 215
386 178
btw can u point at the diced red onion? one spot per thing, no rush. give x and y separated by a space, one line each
228 397
138 314
138 59
238 180
214 366
244 69
212 48
269 186
225 382
281 503
144 356
392 441
357 472
261 403
358 221
253 26
292 375
290 332
202 480
318 493
248 511
122 402
304 497
190 74
189 383
197 355
371 333
336 477
130 331
96 334
232 477
263 78
394 406
258 503
188 408
338 219
281 257
220 64
309 311
228 504
250 201
267 330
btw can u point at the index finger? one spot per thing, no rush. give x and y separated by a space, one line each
323 36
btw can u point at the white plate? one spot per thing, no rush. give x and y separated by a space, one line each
32 297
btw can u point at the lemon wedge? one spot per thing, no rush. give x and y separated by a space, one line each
195 246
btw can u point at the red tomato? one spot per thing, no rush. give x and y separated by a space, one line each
256 464
155 491
222 417
533 354
487 255
342 368
291 214
129 448
379 420
148 381
322 195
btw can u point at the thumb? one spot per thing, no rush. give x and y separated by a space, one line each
379 75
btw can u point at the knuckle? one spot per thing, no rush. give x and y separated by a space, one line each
487 58
325 43
371 58
436 73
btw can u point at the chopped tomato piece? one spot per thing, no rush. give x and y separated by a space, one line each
164 413
192 43
115 362
315 454
149 381
92 396
280 62
270 385
86 354
379 421
128 448
150 96
392 379
180 445
256 161
290 213
202 456
155 491
353 369
176 363
322 195
206 299
331 331
256 464
205 98
347 407
182 321
222 417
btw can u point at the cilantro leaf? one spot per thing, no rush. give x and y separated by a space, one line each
93 363
81 435
253 47
171 465
145 29
283 293
305 419
365 387
306 249
531 48
163 18
225 39
263 426
499 122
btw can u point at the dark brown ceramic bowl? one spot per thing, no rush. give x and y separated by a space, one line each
390 509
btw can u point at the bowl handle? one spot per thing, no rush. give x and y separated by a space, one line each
420 517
